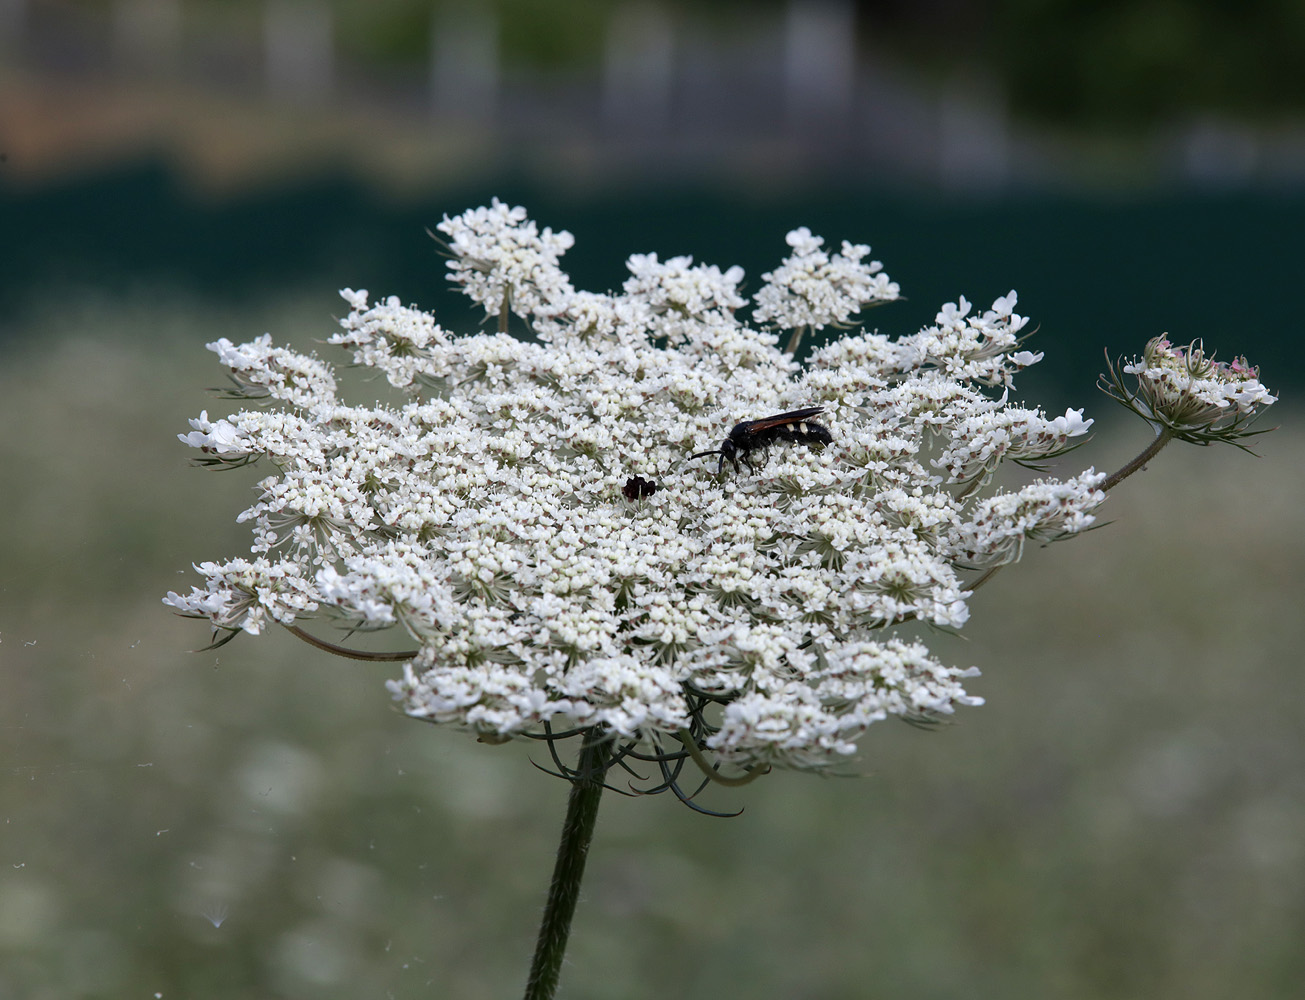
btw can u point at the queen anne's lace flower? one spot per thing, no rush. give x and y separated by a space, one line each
1188 394
814 289
488 511
502 260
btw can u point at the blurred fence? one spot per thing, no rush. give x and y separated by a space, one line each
788 91
784 87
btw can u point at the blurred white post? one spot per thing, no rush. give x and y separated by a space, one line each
819 61
973 137
1219 152
147 34
297 46
464 68
638 67
13 18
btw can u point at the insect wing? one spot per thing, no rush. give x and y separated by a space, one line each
748 427
783 419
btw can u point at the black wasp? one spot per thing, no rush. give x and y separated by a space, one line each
755 435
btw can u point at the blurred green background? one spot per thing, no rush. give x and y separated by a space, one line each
1124 818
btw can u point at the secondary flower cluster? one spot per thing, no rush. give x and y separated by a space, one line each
811 289
1186 392
488 508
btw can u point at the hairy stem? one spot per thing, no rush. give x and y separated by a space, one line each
1162 438
988 575
577 833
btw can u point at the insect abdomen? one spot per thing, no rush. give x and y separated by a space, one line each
806 431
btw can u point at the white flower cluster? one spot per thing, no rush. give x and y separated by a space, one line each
500 257
1183 388
812 289
528 512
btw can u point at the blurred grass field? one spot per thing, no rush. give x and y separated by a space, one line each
1124 818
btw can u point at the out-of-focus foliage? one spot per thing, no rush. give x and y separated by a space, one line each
566 35
1106 64
1139 62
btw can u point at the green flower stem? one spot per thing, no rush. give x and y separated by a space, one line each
984 579
577 833
1162 438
